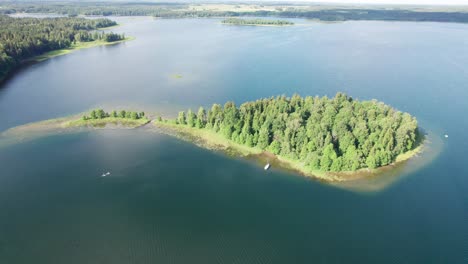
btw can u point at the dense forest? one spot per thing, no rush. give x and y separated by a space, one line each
176 10
23 38
239 21
337 134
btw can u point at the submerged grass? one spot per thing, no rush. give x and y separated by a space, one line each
130 123
205 138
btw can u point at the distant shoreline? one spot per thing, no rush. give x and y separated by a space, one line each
61 52
256 22
75 47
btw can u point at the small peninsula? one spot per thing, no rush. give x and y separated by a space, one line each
35 39
256 22
100 118
333 139
330 138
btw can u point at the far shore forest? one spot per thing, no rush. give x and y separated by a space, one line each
186 10
22 39
255 22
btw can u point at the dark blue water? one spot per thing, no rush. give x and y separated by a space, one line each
168 201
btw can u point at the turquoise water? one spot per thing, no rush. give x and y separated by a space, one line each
168 201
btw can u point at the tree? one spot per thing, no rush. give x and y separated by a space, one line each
181 118
100 114
328 157
191 118
134 115
93 114
201 118
263 138
122 114
114 113
275 147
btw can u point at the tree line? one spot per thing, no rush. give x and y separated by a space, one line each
101 114
24 38
180 10
239 21
327 134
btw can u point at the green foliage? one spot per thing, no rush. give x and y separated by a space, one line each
181 119
24 38
328 134
101 114
191 118
201 118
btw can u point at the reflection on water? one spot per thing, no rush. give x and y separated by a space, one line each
370 183
433 145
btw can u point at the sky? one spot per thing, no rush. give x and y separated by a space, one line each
391 2
407 2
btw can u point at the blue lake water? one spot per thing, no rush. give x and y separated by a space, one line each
168 201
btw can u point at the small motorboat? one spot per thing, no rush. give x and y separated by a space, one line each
446 136
267 166
105 174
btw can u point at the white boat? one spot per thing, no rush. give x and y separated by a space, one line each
267 166
108 173
105 174
446 136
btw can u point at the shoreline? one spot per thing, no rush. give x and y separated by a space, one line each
256 25
210 140
59 52
203 138
75 47
68 124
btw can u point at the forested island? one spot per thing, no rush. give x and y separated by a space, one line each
312 134
297 10
25 39
256 22
335 139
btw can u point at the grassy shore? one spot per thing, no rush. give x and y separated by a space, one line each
205 138
116 121
209 139
74 47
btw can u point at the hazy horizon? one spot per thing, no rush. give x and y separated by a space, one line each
340 2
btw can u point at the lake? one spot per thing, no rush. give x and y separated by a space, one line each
168 201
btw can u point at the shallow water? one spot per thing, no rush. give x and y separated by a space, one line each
171 202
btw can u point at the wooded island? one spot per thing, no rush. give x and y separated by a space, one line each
322 134
256 22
